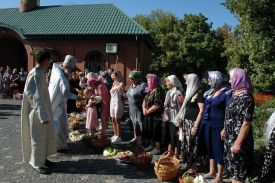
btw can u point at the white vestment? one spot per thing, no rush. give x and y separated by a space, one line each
59 90
38 140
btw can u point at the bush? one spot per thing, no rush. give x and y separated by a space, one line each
262 113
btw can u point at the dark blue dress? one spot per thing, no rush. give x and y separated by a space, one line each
209 140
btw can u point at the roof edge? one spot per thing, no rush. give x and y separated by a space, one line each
16 30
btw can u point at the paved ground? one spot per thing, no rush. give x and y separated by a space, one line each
80 165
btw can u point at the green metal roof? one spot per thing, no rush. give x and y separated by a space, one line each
80 20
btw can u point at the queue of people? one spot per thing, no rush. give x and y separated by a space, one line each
215 123
12 81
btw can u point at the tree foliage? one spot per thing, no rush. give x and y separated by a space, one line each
181 44
253 45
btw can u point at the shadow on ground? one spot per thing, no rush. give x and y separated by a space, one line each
9 107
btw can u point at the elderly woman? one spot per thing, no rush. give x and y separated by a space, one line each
116 104
152 109
188 120
269 157
101 90
136 94
212 124
238 131
172 105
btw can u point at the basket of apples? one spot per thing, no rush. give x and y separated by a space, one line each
142 159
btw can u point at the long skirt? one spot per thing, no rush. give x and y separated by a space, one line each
91 118
152 129
268 170
213 143
188 142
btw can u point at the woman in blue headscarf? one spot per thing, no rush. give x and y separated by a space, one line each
105 77
212 125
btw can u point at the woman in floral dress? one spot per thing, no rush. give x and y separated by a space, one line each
268 169
152 109
238 132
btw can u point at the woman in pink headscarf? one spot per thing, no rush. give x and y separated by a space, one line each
152 109
238 133
104 104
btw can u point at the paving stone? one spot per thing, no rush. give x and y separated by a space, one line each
81 165
20 171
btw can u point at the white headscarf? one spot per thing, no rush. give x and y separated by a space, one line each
176 82
92 75
215 79
70 61
270 124
193 84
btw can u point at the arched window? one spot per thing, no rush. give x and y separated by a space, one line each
95 61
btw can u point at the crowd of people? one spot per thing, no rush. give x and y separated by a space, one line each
213 121
12 81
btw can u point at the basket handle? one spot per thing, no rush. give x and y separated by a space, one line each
187 173
161 157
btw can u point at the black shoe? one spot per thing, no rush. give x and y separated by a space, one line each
65 151
42 170
49 163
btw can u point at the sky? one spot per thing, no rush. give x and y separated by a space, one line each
216 13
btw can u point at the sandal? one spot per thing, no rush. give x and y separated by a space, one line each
207 176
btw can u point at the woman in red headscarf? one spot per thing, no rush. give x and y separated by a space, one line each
152 109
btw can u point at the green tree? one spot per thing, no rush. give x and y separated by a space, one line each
180 43
163 28
198 44
255 36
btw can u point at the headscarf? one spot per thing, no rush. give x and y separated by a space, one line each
70 61
240 80
176 82
193 85
107 79
215 80
270 125
92 75
153 81
92 79
135 74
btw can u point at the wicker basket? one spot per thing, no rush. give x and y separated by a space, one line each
73 126
99 144
141 158
189 179
166 168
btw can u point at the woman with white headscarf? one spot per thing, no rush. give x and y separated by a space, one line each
172 105
209 138
269 158
189 118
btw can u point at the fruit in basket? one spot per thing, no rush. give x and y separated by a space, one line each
125 155
187 179
198 179
76 136
109 152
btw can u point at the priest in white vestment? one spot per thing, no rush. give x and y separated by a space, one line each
59 90
38 137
